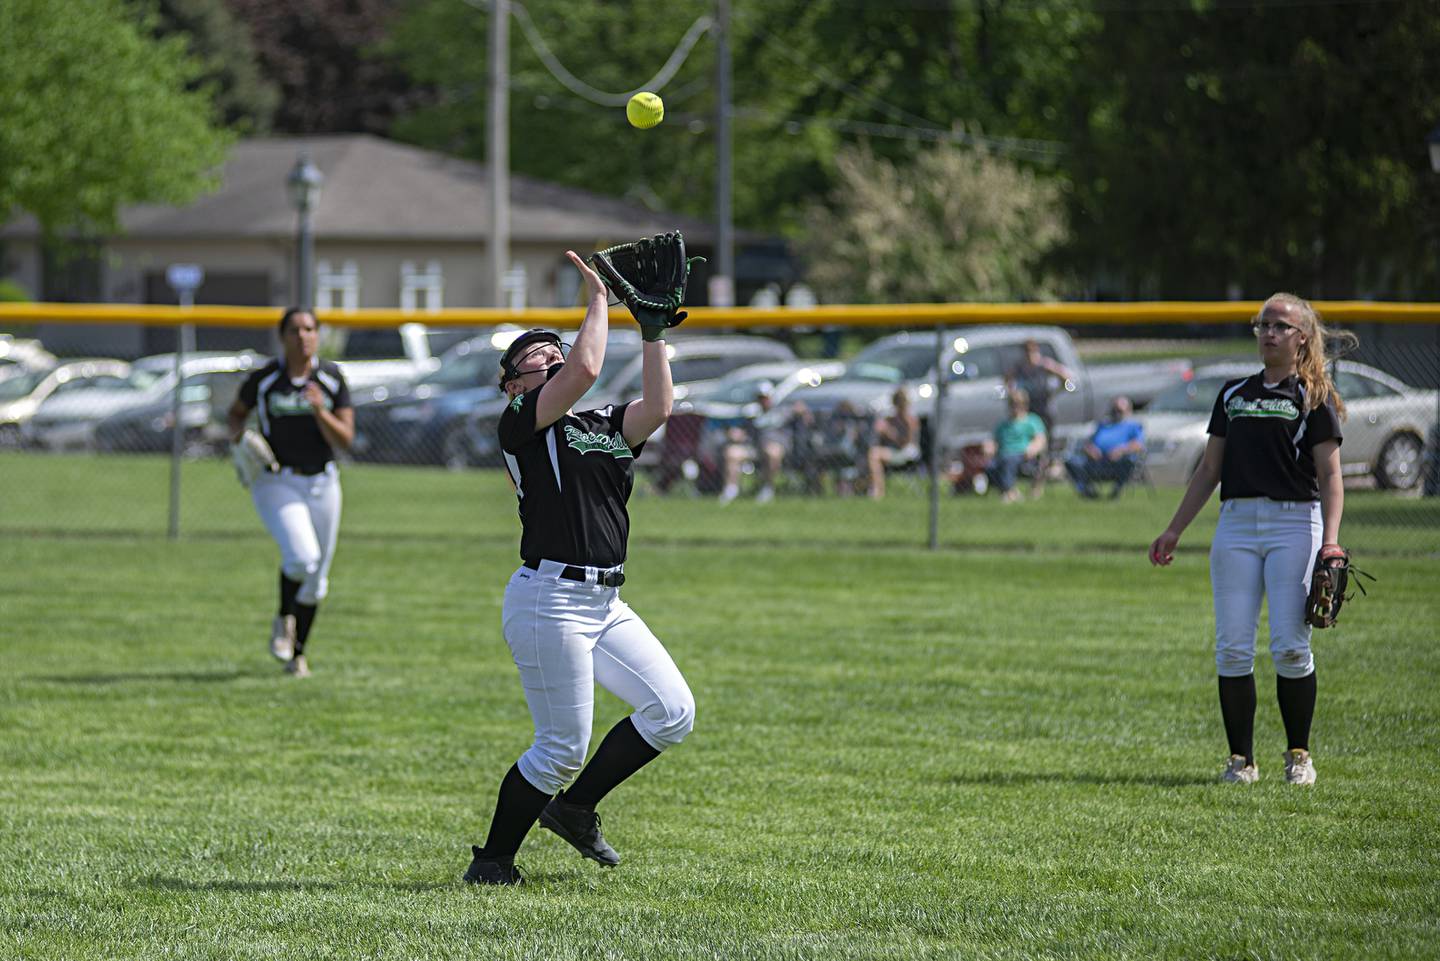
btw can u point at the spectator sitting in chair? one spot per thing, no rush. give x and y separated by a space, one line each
763 441
896 442
833 444
1018 441
1112 452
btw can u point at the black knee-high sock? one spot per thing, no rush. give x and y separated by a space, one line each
1297 707
621 754
288 590
516 810
304 617
1237 707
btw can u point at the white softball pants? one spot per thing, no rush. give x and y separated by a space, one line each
1264 549
565 637
302 513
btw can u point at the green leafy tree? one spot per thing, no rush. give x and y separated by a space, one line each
810 76
1273 145
95 114
953 224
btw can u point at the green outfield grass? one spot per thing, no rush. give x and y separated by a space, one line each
1001 750
110 495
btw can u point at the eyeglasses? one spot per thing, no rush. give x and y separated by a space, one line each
1272 327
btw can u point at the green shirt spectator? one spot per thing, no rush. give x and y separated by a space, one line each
1014 436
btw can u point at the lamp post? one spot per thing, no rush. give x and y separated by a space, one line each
304 182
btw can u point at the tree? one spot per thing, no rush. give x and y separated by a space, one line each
1269 146
809 76
329 60
245 97
954 224
95 114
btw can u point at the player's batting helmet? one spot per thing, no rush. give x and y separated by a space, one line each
520 346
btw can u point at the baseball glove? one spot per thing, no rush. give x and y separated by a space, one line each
649 276
1328 583
252 456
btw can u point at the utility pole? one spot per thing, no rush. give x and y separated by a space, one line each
722 283
499 135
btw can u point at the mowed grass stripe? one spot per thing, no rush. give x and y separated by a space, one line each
95 497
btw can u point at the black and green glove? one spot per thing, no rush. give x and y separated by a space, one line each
649 277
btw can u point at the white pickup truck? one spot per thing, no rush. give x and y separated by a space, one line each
389 356
975 360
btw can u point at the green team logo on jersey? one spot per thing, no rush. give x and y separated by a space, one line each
292 405
517 402
1281 408
585 442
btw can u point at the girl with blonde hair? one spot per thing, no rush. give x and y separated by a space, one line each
1274 449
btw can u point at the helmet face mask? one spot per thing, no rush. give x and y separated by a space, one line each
522 347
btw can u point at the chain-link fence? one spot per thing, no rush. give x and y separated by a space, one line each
1033 436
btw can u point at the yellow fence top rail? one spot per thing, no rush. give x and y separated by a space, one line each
854 315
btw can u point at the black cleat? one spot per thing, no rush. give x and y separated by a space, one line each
486 870
580 827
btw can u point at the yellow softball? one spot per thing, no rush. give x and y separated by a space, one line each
645 110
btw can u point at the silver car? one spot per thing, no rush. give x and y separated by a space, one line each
695 364
68 423
1386 423
29 391
735 395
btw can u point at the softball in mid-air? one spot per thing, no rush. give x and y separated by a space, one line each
645 110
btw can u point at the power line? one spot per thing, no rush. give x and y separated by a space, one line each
582 89
835 83
908 126
1042 150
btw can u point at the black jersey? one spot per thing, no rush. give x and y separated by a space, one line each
1268 439
286 418
573 479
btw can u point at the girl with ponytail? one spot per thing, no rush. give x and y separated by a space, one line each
1312 360
1274 449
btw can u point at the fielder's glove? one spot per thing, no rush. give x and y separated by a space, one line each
252 456
1327 585
649 276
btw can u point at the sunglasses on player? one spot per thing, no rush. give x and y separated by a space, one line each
1272 327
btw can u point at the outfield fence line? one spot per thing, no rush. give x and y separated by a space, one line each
1134 313
808 440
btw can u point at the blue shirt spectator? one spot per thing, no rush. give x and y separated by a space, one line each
1117 433
1111 454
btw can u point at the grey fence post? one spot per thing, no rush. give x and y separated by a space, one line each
936 430
184 279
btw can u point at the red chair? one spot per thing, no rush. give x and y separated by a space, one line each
683 455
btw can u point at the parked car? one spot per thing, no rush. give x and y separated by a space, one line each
424 423
431 422
371 357
209 389
976 360
463 368
695 363
28 390
1384 429
69 422
20 354
734 396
